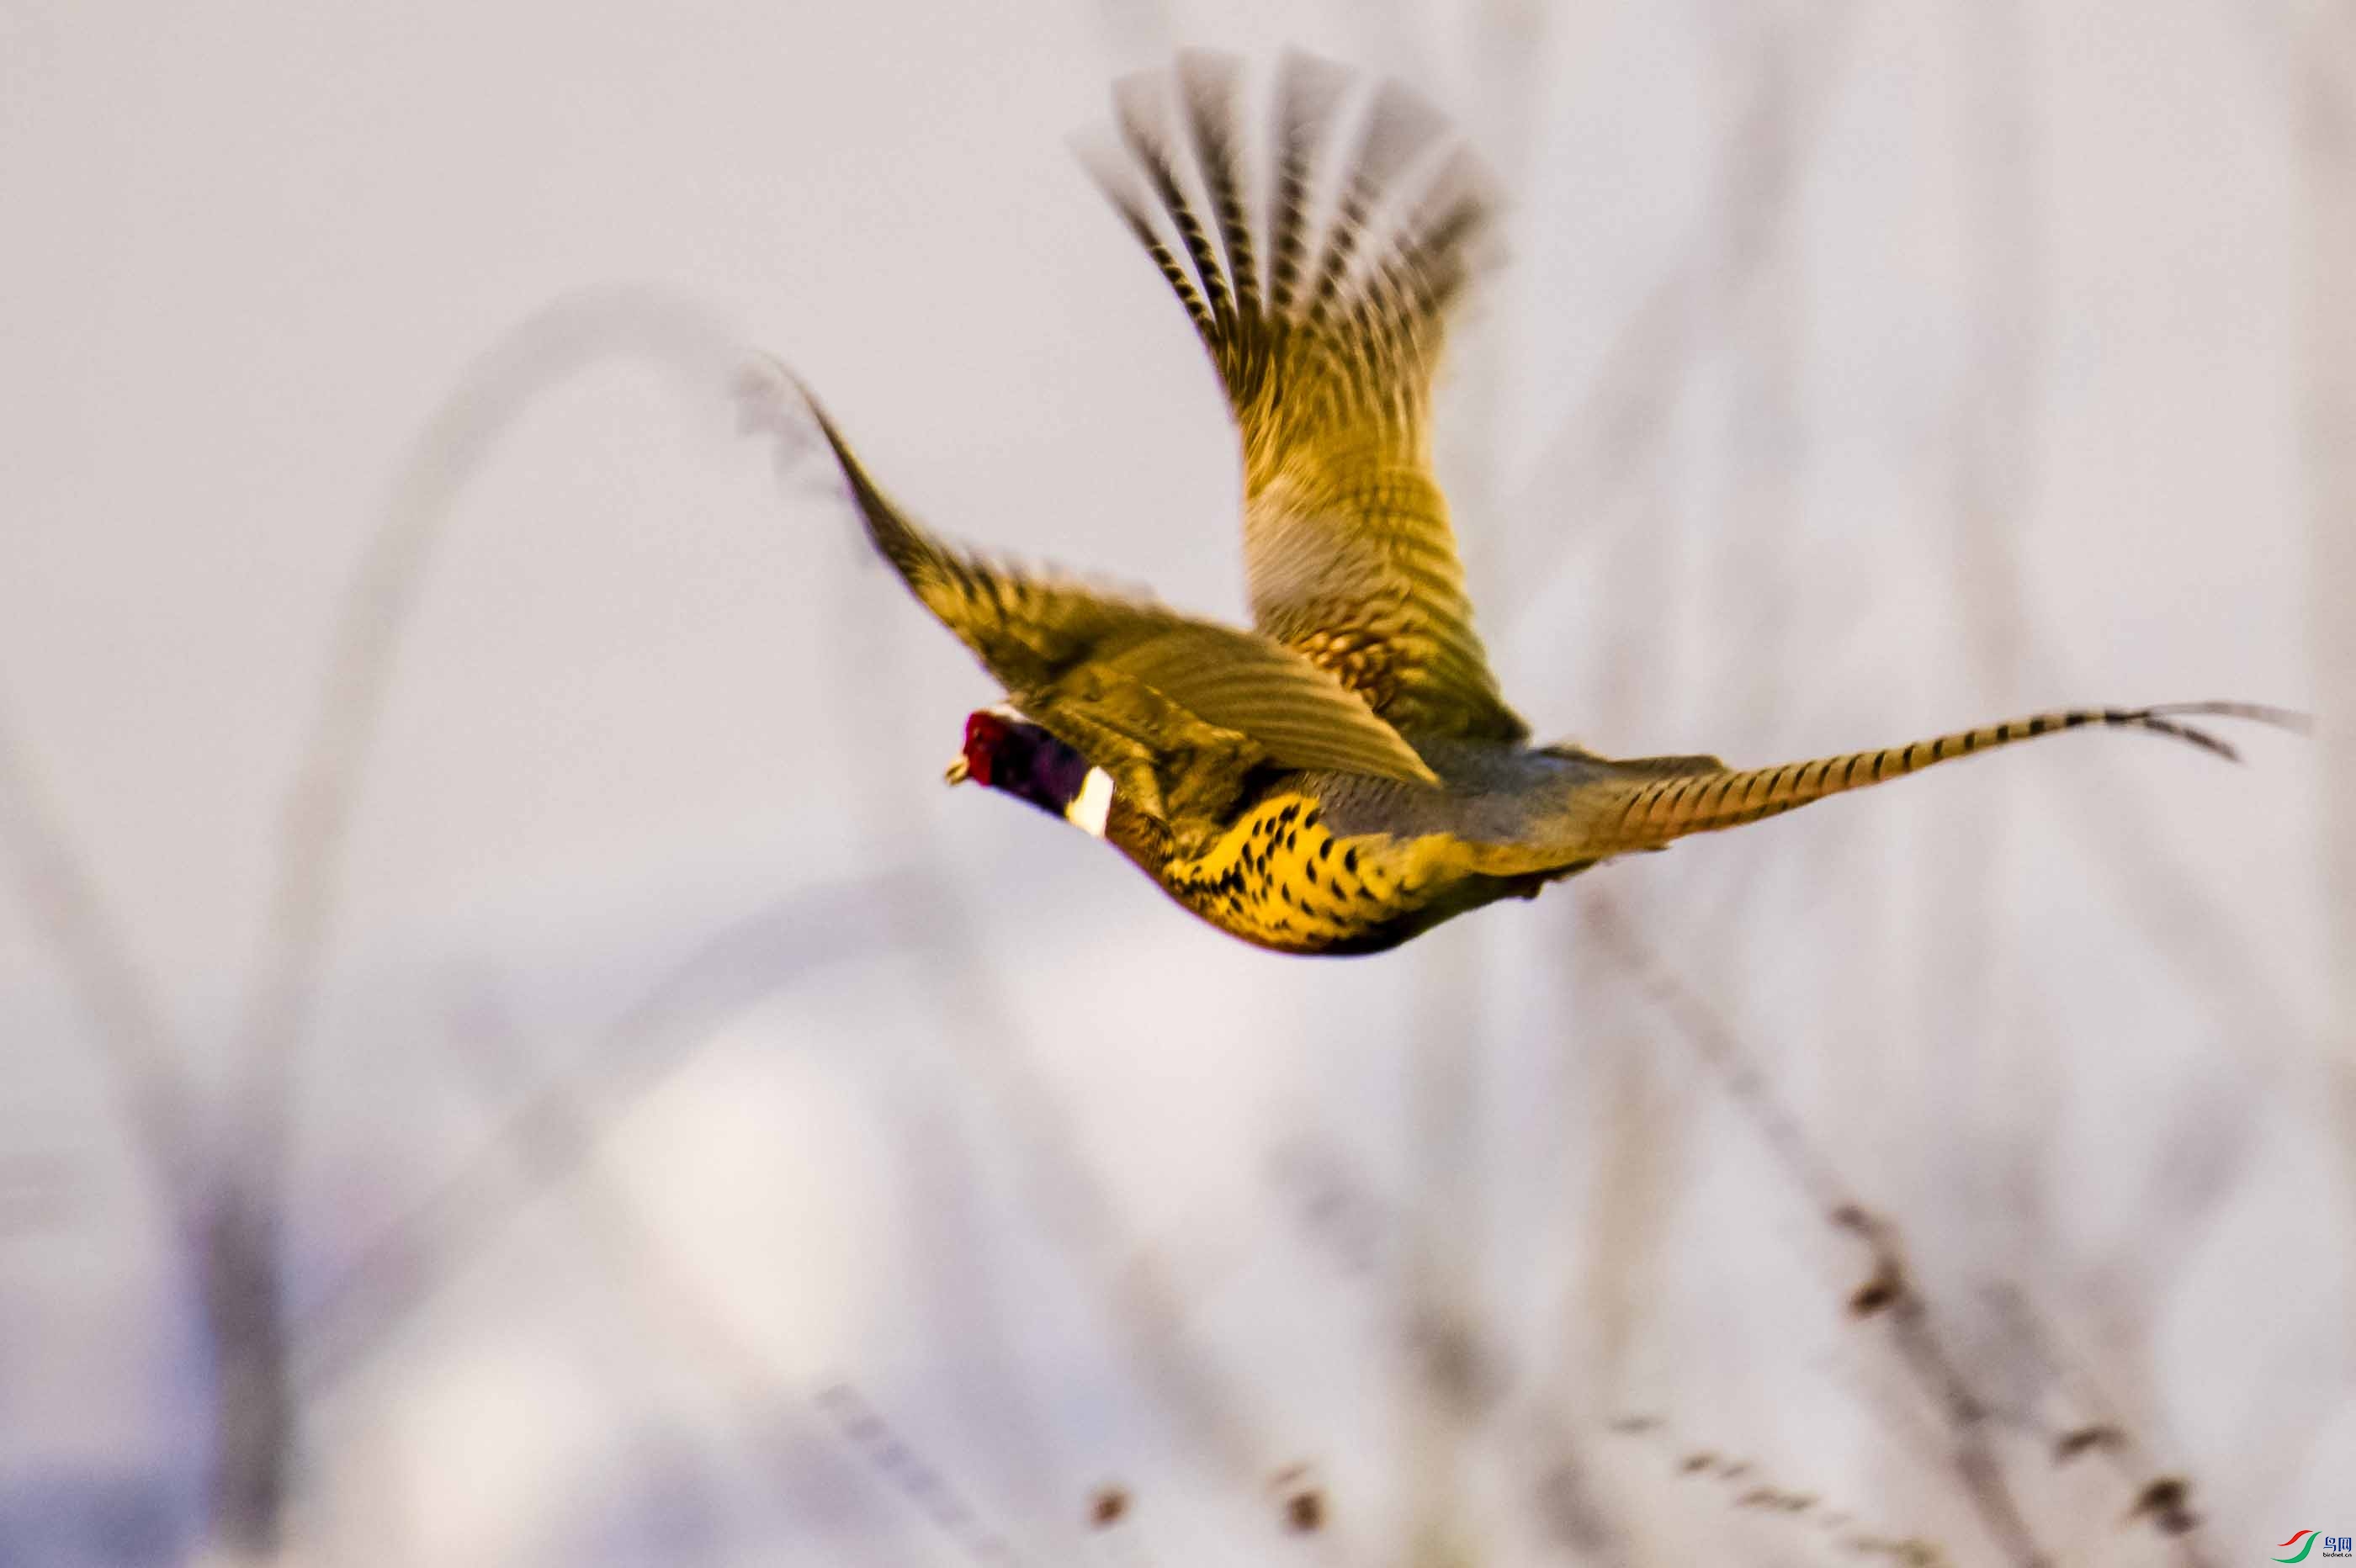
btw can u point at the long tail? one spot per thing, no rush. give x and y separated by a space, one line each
1700 796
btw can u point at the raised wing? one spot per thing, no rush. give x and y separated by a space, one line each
1348 556
1177 709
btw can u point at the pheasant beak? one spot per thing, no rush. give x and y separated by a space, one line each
958 773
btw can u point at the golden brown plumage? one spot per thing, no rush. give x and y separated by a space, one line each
1346 774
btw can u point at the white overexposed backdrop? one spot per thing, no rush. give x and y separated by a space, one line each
677 1130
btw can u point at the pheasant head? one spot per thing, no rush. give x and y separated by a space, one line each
1007 753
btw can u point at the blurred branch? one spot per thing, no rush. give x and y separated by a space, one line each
2307 53
229 1242
1980 1057
2097 1425
1440 1281
558 1128
921 1483
2156 891
314 826
63 897
230 1209
1612 430
254 1427
1755 1487
1142 1296
1637 1154
1610 436
552 1139
1762 71
2325 118
1459 1361
1890 1289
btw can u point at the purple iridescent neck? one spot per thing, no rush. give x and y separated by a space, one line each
1024 761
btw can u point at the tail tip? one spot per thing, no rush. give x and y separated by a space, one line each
2167 718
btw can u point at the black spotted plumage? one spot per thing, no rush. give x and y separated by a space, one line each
1356 726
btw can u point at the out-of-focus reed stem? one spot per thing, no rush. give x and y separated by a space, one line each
2325 134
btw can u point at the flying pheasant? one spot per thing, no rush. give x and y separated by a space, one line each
1347 774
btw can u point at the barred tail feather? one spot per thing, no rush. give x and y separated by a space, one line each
1688 799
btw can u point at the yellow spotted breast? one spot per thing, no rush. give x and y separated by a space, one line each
1280 878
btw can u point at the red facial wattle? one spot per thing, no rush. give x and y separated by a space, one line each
984 732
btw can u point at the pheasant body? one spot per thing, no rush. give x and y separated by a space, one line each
1346 774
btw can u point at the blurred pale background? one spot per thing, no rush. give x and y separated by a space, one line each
707 1140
